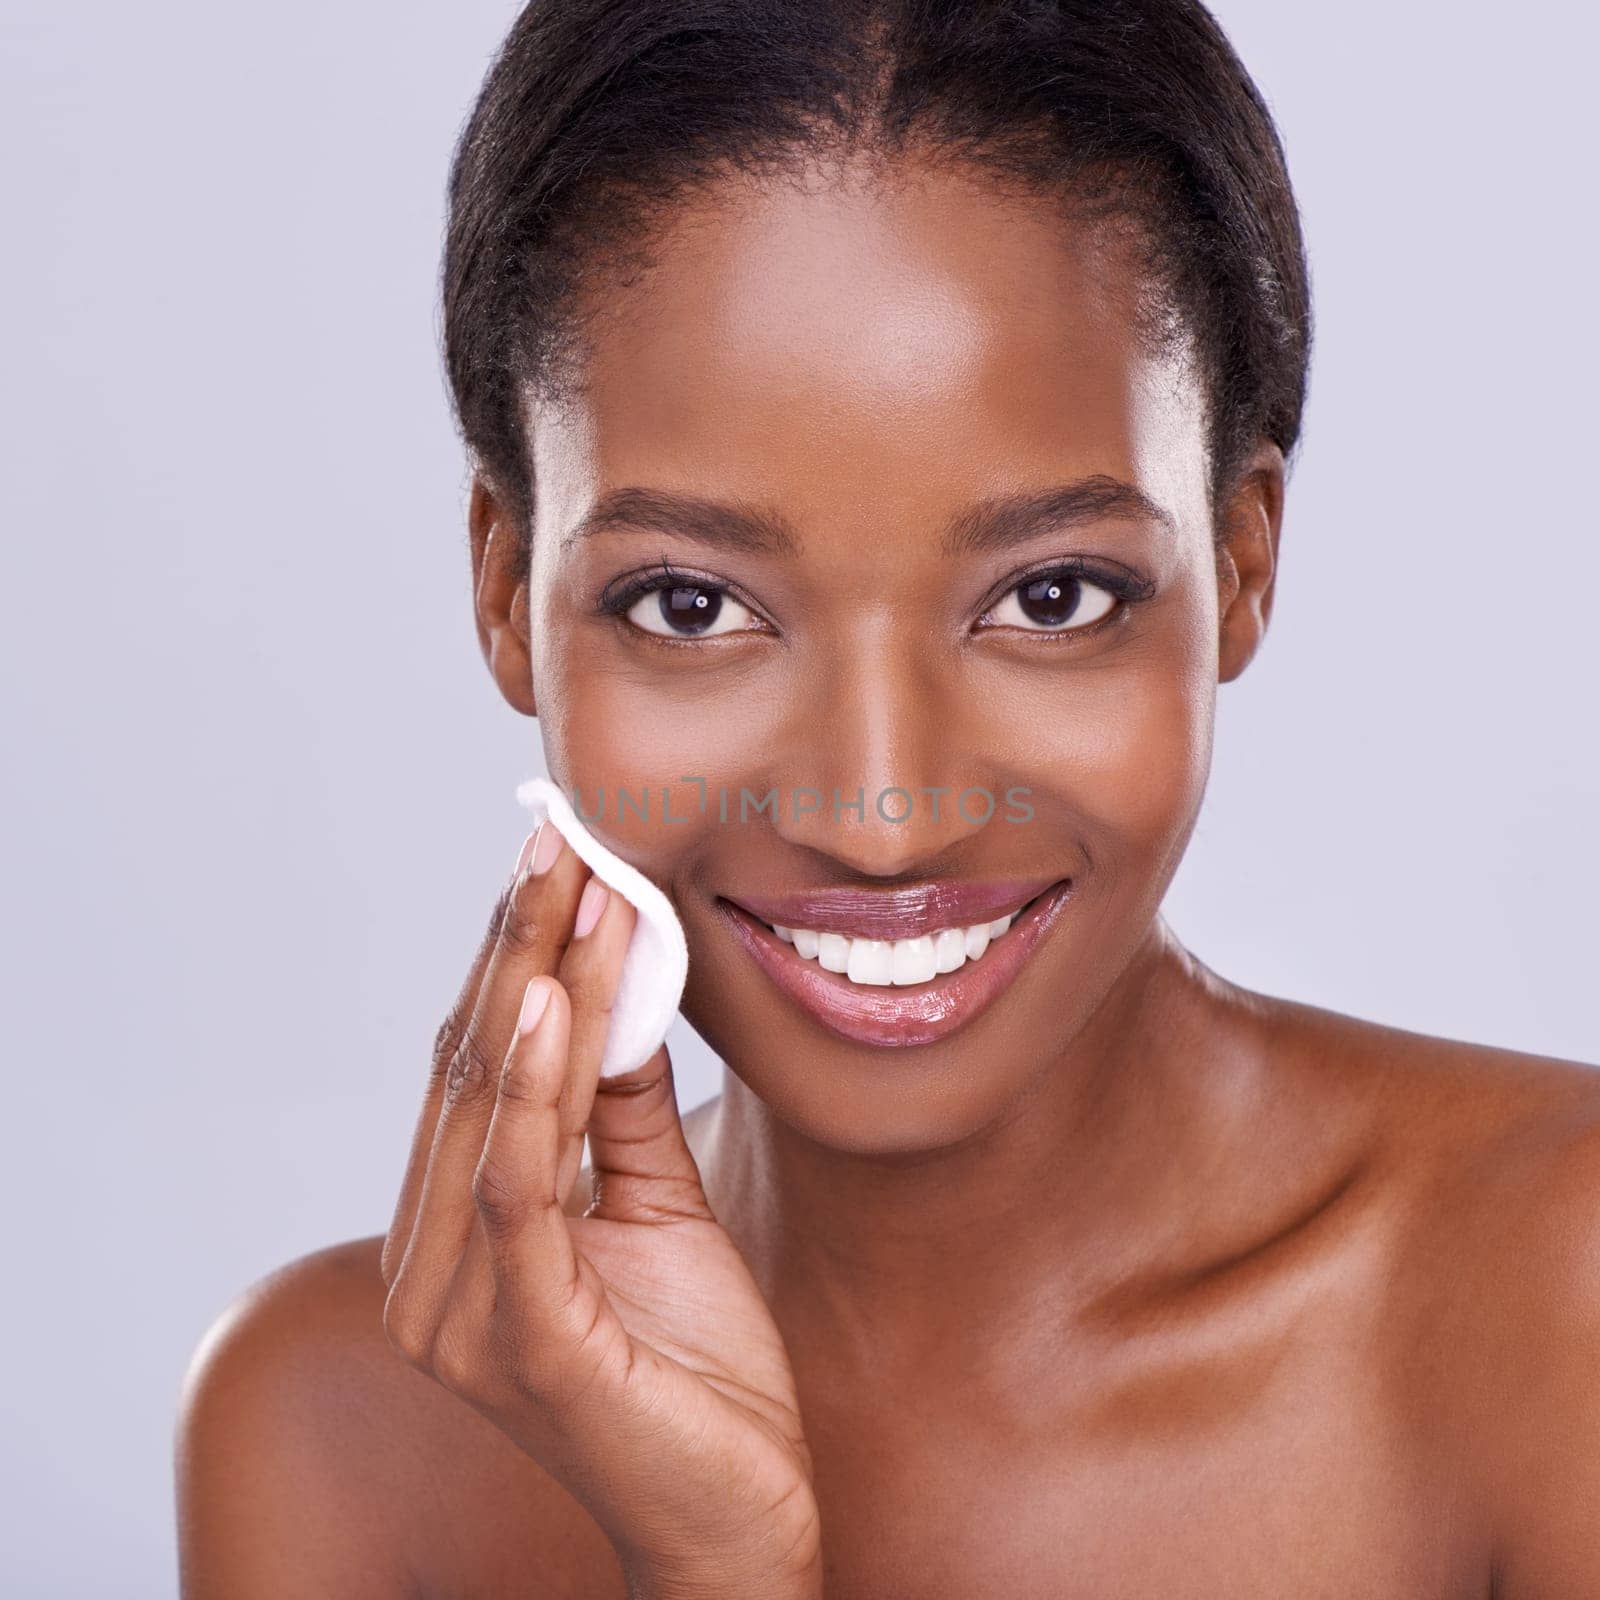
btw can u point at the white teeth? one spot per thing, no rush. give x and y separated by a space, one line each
913 960
884 962
871 961
950 949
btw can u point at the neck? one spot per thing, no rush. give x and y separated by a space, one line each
1090 1174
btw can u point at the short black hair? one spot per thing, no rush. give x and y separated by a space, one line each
597 114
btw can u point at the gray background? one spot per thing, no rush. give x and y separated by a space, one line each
259 785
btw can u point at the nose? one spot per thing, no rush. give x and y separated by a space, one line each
880 767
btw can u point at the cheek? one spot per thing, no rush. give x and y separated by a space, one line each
1149 769
1124 750
629 741
612 719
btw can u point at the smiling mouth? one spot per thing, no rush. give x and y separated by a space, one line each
910 990
899 962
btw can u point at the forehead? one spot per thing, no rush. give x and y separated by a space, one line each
830 342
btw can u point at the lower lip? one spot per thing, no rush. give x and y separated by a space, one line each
917 1014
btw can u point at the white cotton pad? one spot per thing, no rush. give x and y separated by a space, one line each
656 964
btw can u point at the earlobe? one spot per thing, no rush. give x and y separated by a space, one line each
500 596
1247 561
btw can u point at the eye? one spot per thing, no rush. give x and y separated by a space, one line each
1053 602
683 610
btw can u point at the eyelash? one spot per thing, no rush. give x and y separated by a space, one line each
623 593
1128 587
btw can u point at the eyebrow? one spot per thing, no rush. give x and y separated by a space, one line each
1011 519
990 525
712 522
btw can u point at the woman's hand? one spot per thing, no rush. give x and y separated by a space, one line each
627 1350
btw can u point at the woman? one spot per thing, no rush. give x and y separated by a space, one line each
880 410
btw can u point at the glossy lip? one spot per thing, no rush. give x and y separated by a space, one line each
895 913
918 1013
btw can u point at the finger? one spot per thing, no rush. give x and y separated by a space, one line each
643 1169
522 1228
590 972
445 1044
534 932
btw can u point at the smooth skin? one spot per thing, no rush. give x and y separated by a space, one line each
1137 1284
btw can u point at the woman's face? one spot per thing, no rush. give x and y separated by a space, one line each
876 494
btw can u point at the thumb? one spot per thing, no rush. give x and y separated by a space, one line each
643 1171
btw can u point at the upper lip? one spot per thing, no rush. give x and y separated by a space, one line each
903 913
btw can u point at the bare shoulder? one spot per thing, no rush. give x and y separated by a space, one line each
312 1458
1490 1159
1443 1109
1505 1138
282 1399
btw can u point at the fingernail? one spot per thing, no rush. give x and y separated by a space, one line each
524 853
595 895
547 848
534 999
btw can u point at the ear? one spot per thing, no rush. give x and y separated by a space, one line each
1247 559
500 594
